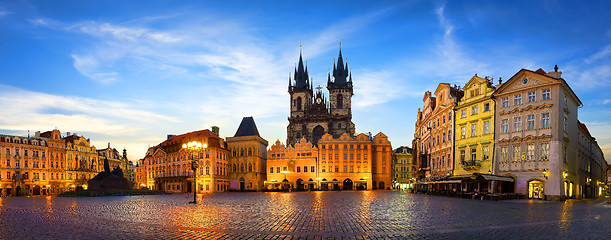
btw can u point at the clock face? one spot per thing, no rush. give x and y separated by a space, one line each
318 100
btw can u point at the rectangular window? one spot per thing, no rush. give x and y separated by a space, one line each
517 124
271 170
485 153
545 94
531 152
278 169
462 133
504 125
473 154
473 130
544 151
565 122
486 127
336 168
486 107
517 99
504 154
298 168
312 169
531 97
463 113
474 110
530 119
345 168
345 156
505 102
462 155
449 135
545 120
516 153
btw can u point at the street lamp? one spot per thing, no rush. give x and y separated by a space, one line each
194 147
545 173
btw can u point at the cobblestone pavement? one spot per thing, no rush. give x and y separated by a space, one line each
302 215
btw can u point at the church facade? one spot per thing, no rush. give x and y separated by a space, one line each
312 114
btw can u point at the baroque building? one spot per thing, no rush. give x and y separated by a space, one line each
312 115
474 121
340 162
539 140
248 157
436 128
403 168
49 164
168 165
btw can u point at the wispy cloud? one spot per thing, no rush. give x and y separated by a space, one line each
34 110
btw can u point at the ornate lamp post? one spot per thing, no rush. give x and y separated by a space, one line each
194 147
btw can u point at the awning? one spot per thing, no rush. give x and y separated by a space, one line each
497 178
436 182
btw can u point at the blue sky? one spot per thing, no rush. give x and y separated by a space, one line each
131 72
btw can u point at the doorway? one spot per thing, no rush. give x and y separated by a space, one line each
536 189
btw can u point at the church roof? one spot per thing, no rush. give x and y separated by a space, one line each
247 128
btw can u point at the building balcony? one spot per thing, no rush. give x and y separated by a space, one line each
471 165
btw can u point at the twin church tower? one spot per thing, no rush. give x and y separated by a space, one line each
312 114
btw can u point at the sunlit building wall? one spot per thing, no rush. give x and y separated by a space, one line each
248 157
474 128
169 164
403 168
292 167
537 138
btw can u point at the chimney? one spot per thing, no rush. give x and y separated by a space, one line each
215 130
37 134
555 73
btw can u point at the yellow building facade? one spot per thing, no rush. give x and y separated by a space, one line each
248 157
474 135
292 167
49 164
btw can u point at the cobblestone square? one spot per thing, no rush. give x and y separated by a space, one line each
301 215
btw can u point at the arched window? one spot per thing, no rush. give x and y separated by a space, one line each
242 167
242 152
298 103
235 168
340 101
249 151
250 167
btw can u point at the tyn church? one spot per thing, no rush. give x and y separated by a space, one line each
313 115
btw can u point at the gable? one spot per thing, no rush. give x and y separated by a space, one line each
525 79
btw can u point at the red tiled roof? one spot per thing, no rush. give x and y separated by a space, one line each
541 71
174 143
585 128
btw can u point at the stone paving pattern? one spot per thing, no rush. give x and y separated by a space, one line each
302 215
